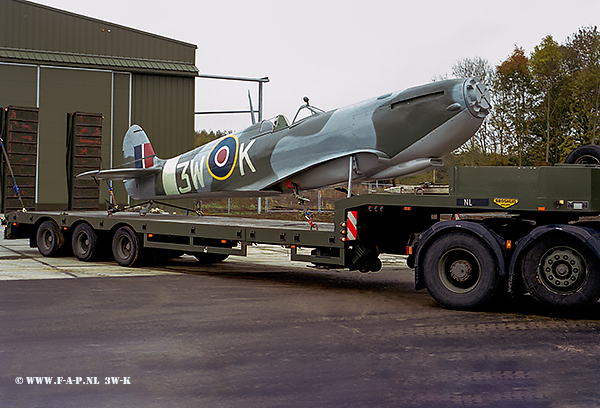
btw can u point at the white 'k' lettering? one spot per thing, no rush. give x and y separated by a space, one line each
244 156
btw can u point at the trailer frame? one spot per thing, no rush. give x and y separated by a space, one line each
491 220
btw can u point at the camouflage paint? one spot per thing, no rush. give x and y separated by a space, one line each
390 136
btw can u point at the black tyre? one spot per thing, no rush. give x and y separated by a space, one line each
204 258
587 154
369 264
460 271
126 246
50 239
375 265
85 243
561 273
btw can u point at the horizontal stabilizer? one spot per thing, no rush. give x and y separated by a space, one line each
119 174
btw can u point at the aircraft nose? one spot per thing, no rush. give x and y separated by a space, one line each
477 98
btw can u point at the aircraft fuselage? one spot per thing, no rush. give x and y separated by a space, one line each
390 136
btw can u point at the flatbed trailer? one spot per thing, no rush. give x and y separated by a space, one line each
498 229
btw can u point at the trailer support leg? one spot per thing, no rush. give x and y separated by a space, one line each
145 210
350 168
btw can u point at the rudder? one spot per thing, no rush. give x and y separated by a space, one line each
137 150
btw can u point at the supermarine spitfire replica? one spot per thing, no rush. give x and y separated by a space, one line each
390 136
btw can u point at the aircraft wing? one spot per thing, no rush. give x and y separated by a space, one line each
334 164
119 174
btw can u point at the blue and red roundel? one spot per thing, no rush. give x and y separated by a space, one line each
222 158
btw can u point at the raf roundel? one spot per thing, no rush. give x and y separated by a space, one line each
222 158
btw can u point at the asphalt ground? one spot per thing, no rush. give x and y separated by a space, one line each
264 332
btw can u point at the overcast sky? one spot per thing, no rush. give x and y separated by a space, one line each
337 52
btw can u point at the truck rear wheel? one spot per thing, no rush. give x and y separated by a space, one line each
50 239
126 246
85 242
460 271
561 273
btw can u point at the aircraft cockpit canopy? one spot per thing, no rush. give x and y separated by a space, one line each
271 125
280 122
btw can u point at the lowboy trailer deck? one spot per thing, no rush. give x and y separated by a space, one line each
499 229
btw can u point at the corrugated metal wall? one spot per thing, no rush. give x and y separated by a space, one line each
18 85
63 91
165 97
161 104
37 27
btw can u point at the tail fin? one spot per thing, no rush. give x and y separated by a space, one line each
137 150
140 161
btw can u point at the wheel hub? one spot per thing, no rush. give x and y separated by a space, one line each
84 243
562 270
48 239
460 270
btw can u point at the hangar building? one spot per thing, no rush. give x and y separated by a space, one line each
54 63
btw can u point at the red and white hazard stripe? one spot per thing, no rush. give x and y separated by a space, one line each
352 236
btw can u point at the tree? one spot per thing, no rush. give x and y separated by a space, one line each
549 75
513 85
543 106
479 68
583 63
476 67
204 136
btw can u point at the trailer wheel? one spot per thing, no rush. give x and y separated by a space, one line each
369 264
126 246
204 258
586 154
460 271
85 243
50 239
560 272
